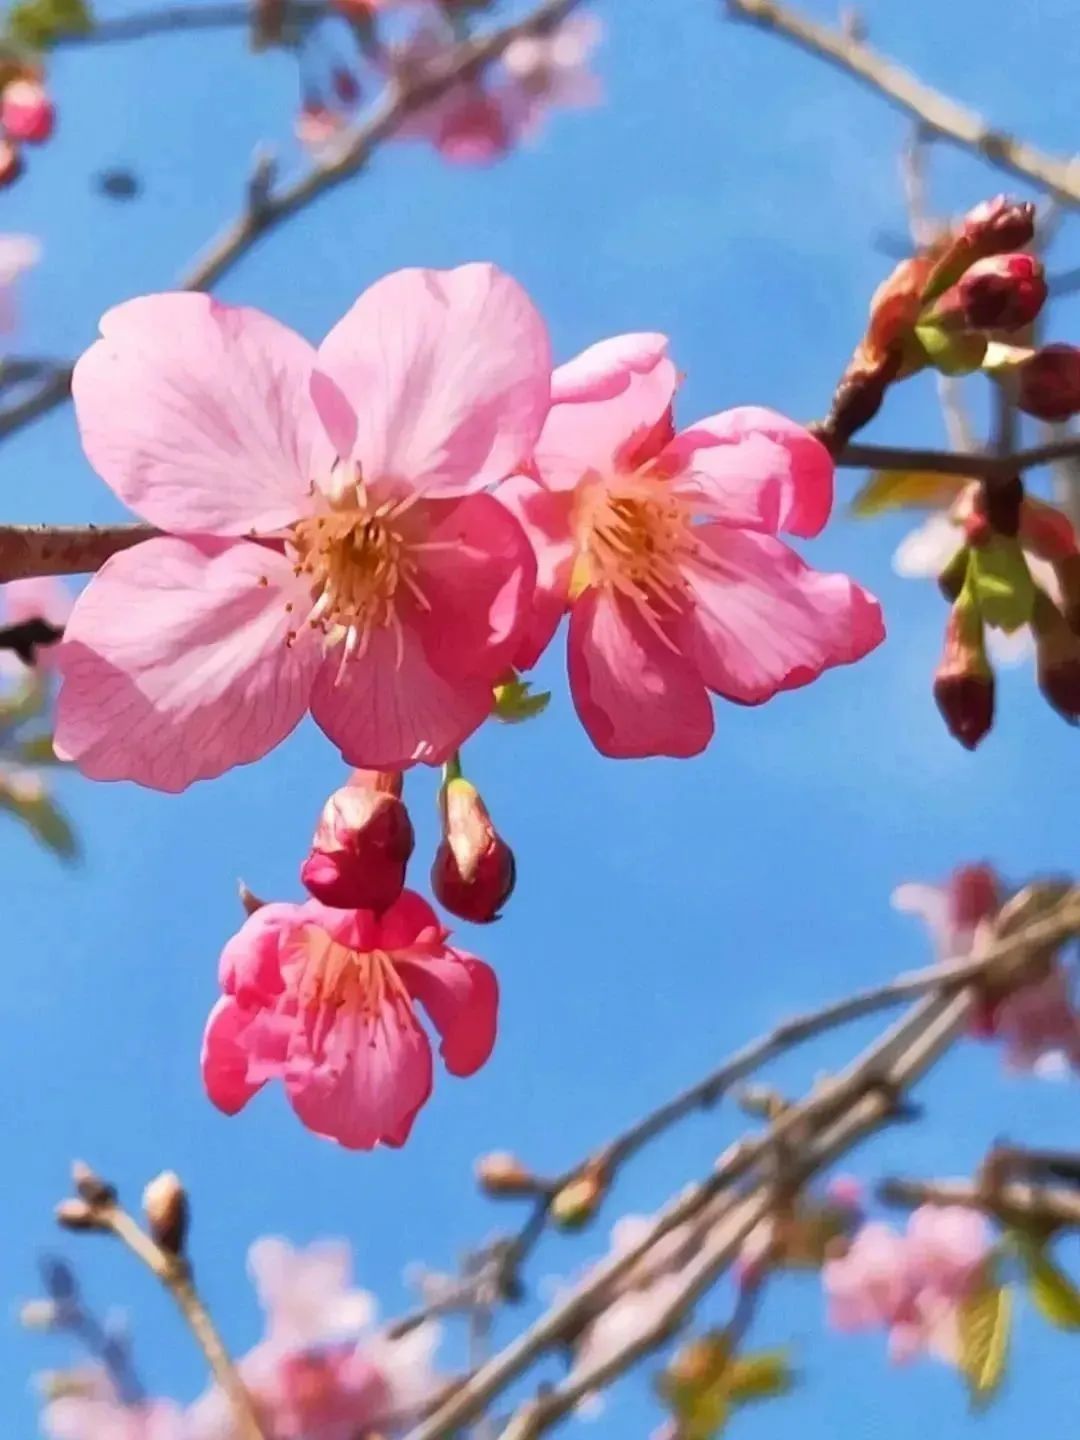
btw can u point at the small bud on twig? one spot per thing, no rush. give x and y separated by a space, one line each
76 1215
964 682
579 1199
502 1175
165 1204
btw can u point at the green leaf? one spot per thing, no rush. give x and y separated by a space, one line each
1052 1292
759 1376
951 352
37 750
906 489
38 24
515 702
23 796
1004 589
985 1328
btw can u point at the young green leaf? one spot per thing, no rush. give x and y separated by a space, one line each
985 1327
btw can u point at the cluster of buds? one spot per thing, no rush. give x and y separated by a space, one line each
364 841
991 584
27 117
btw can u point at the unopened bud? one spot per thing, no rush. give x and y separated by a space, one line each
473 872
1047 531
39 1315
963 681
362 844
76 1215
165 1205
1002 292
503 1174
951 580
90 1186
26 112
995 227
11 164
1049 383
1057 651
578 1200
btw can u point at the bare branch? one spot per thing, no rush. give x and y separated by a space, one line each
1015 1203
63 549
936 112
169 19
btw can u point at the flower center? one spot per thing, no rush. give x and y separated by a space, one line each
634 536
357 557
337 977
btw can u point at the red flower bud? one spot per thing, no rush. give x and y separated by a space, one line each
997 226
26 112
362 845
1050 383
964 682
473 872
1057 651
1002 292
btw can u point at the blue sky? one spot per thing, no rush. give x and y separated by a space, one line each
731 193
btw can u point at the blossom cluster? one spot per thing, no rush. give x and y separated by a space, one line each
323 1370
27 116
478 118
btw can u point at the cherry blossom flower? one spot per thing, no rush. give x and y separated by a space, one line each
956 913
468 124
307 1380
26 112
307 1293
91 1409
320 555
324 1000
1040 1027
912 1284
18 253
551 71
663 547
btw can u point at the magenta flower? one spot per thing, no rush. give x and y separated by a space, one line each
913 1284
663 547
324 1000
320 555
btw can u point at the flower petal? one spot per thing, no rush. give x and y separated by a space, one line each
369 1084
763 621
461 994
227 1048
250 964
197 414
635 694
545 517
449 374
477 573
756 469
175 665
925 551
408 922
392 709
620 416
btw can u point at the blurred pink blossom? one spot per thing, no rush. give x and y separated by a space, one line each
912 1284
92 1410
1040 1027
325 1001
26 112
663 547
42 598
18 253
332 546
957 912
551 71
307 1294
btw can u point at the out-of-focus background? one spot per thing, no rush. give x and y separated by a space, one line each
744 199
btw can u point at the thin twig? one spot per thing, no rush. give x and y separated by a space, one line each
348 156
27 550
936 112
169 19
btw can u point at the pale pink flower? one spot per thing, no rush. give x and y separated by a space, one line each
467 124
307 1293
321 555
94 1411
663 547
18 253
551 71
1040 1027
910 1285
626 1320
324 1000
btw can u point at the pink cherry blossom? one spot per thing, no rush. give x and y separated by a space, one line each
18 253
325 1001
306 1293
91 1409
26 112
956 913
468 123
325 556
551 71
1040 1027
910 1285
663 547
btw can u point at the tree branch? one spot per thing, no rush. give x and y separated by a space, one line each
1015 1203
348 156
169 19
27 550
934 111
24 638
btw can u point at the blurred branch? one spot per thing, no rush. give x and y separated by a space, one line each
24 638
345 159
805 1137
63 549
169 19
1015 1203
934 111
